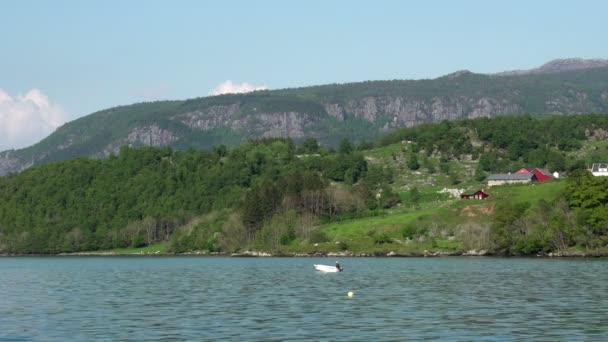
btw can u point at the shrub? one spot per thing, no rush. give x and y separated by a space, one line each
409 231
381 238
342 245
318 237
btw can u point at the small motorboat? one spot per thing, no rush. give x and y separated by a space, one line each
328 268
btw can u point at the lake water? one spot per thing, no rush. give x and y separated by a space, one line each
271 299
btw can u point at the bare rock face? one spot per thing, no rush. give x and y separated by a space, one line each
334 110
596 134
407 112
287 124
212 117
151 135
263 124
69 142
9 163
576 102
487 107
365 108
475 252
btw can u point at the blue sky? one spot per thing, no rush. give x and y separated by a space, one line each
84 56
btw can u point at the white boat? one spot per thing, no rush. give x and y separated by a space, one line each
328 268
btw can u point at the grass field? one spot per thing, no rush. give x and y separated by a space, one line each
527 193
437 215
387 223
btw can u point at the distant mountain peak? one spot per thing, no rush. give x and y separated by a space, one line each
458 73
560 65
566 64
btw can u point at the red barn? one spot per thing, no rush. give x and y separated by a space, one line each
542 175
480 194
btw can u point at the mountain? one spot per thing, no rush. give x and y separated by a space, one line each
560 65
329 113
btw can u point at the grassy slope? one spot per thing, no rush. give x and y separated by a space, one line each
441 214
448 213
444 217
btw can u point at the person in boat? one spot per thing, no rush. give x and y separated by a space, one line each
338 266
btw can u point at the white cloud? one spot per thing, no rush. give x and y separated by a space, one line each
229 87
26 119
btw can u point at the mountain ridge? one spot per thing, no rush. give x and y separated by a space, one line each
559 65
329 113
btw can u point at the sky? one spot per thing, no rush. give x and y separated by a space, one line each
60 60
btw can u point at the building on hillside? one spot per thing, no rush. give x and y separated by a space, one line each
523 170
542 175
510 178
599 169
479 194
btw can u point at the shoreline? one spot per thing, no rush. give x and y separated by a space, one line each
346 254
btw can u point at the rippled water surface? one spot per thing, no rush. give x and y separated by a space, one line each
207 298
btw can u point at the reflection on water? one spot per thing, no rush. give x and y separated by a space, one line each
206 298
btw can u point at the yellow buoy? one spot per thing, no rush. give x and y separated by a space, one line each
350 293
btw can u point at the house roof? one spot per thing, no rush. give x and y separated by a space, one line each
473 193
597 166
545 172
511 176
524 170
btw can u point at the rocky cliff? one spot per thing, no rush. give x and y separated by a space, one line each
358 111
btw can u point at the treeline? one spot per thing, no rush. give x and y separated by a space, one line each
146 195
509 142
576 218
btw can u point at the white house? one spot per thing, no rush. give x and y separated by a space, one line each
599 169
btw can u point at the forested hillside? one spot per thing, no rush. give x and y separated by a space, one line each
142 196
276 195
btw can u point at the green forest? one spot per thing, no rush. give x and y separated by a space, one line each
279 196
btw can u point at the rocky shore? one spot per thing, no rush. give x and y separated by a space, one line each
343 254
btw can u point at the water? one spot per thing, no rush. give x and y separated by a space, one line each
270 299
